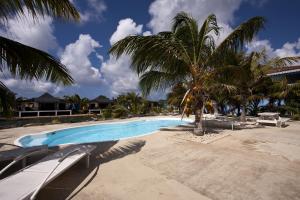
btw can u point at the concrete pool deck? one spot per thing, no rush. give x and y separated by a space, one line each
259 163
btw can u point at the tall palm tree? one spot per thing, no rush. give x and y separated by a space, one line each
249 76
176 95
187 53
27 62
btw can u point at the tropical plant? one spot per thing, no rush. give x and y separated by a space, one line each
132 102
119 111
176 95
27 62
7 100
249 77
186 54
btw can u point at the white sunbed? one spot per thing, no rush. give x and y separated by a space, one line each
26 183
271 118
20 154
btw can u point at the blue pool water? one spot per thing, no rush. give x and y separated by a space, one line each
97 133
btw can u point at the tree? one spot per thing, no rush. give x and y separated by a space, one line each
27 62
176 95
186 54
131 101
249 76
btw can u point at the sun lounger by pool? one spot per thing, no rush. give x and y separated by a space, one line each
26 183
20 154
271 118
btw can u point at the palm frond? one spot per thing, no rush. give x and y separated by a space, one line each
30 63
244 33
7 99
57 8
155 80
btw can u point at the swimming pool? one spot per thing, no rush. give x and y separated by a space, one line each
97 133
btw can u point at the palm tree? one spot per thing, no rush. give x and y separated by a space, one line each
186 54
27 62
249 76
176 95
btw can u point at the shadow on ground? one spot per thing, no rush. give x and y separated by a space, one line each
78 177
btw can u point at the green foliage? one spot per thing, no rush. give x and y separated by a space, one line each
296 117
119 111
107 113
55 120
27 62
7 101
55 8
187 54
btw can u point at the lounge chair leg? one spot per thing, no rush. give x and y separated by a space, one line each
24 162
87 164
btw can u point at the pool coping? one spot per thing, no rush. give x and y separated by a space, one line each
17 141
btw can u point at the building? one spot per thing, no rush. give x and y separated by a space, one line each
43 102
100 102
291 73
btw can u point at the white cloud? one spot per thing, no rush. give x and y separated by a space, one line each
288 49
163 11
93 11
36 32
76 57
118 76
125 28
30 88
117 73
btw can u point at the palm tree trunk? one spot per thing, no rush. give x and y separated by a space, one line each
198 130
243 114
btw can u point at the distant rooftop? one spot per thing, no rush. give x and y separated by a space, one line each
284 70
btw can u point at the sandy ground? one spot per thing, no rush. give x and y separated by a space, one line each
260 163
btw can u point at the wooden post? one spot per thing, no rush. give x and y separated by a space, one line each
55 112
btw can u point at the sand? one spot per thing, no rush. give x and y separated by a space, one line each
259 163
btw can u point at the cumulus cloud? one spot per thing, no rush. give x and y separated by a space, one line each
36 32
118 76
76 57
93 10
116 72
125 28
163 11
29 88
288 49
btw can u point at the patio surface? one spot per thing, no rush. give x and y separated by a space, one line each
260 163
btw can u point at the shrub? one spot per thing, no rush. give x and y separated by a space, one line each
119 111
55 120
107 113
296 117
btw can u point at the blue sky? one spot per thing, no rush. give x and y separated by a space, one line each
83 47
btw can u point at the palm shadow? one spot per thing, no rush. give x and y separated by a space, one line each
69 184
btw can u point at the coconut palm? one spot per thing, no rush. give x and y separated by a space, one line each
27 62
188 53
249 76
176 95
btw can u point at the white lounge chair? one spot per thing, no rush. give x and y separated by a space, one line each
20 154
26 183
271 118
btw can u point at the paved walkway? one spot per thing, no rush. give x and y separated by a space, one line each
249 164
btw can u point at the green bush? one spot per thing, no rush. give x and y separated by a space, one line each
296 117
119 111
107 113
55 120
